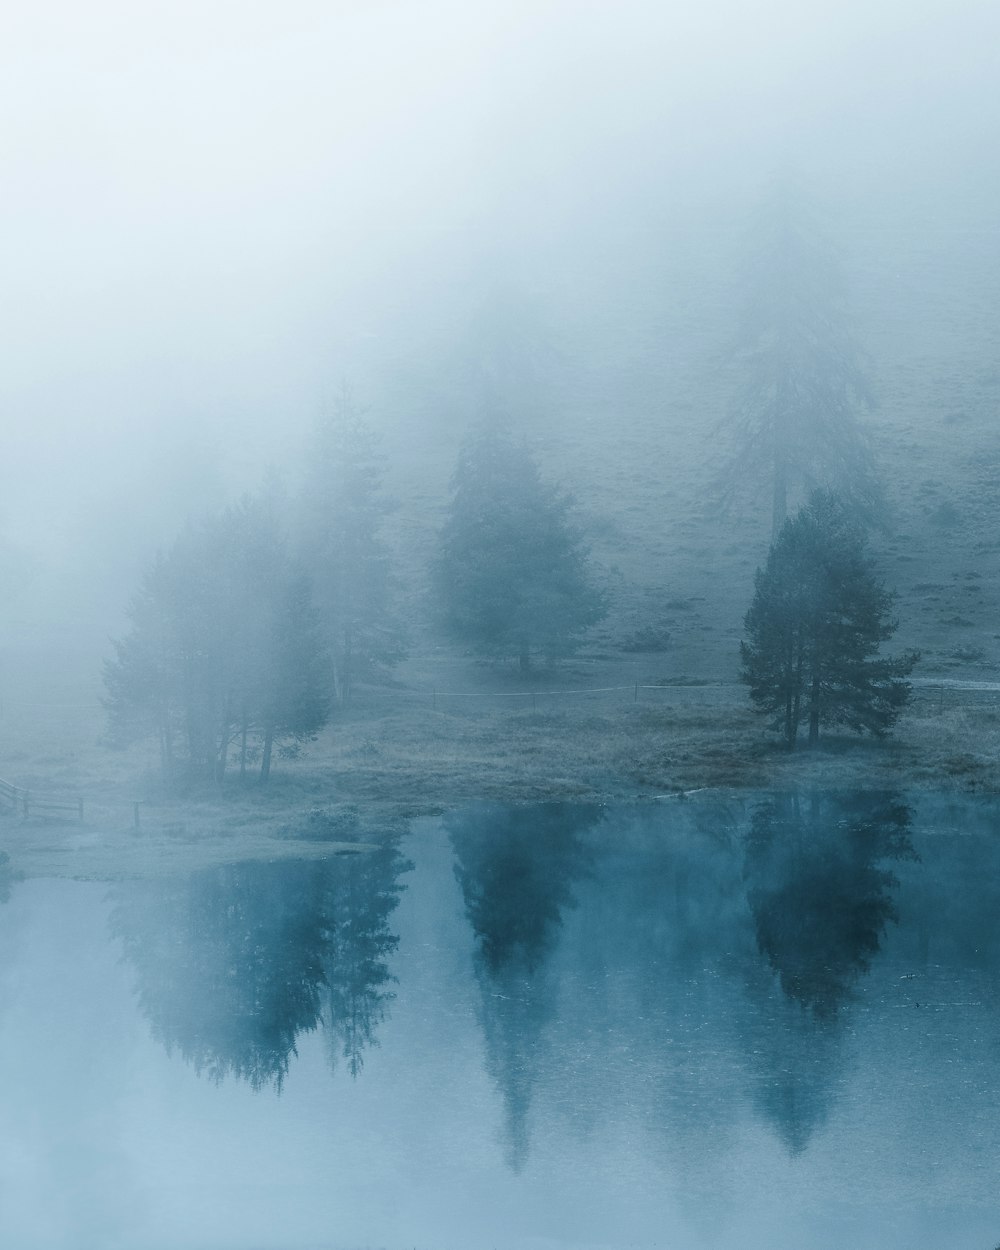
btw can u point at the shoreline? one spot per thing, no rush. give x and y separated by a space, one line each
380 766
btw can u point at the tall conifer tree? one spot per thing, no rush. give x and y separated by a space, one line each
819 616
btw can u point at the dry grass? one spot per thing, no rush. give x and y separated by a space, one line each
393 756
628 427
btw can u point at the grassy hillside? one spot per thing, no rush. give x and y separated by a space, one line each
637 388
622 409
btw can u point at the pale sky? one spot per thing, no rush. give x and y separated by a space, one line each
212 211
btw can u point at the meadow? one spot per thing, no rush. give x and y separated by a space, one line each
628 418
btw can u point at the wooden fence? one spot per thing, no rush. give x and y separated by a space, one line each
38 803
26 802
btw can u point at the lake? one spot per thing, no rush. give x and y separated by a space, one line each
764 1022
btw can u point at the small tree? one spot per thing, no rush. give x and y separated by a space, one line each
293 704
512 573
803 376
818 617
341 510
224 647
820 889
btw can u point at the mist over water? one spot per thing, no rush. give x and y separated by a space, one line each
651 1040
378 378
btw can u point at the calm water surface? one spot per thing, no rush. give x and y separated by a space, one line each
765 1024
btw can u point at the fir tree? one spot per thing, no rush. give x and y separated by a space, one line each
341 513
819 615
512 573
804 378
224 648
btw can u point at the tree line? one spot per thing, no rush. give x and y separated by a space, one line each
257 621
235 964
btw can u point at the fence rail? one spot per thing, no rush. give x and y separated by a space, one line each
34 802
937 693
632 692
42 803
707 686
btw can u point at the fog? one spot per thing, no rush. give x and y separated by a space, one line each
214 213
592 1063
270 272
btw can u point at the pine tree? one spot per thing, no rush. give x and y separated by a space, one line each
229 963
818 617
512 573
342 508
293 705
224 647
820 890
804 377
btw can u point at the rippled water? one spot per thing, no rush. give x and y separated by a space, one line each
763 1024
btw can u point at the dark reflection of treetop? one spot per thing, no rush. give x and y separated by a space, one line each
234 962
229 963
517 868
797 1063
818 889
820 898
364 891
648 983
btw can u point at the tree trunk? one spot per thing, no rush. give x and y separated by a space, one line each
345 692
779 500
225 738
243 746
814 712
265 762
166 746
796 698
195 755
338 689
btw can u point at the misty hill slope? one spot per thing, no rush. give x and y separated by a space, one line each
635 390
616 375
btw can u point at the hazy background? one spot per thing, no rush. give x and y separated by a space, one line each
212 213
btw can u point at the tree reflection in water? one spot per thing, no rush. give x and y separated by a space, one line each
744 939
818 889
820 896
234 962
517 868
719 953
362 893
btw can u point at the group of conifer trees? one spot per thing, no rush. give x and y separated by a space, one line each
247 630
820 609
258 618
